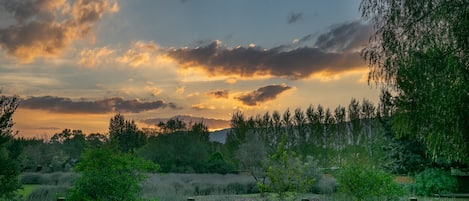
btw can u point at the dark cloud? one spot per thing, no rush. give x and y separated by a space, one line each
44 28
263 94
294 17
251 61
219 93
345 37
210 123
336 51
116 104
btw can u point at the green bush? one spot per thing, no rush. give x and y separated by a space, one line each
433 180
56 178
366 183
107 174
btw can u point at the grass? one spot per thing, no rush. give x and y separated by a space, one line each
179 187
27 190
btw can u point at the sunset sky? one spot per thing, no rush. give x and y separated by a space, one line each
76 63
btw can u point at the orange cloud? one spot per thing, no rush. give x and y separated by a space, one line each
47 28
94 57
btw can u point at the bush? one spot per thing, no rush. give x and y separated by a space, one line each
107 175
56 178
433 180
366 183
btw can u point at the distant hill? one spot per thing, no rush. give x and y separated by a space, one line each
220 135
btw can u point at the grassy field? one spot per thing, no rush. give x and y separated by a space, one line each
179 187
27 189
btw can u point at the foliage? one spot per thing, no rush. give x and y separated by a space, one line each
420 49
125 134
252 157
287 173
433 180
217 164
9 166
366 183
182 151
109 175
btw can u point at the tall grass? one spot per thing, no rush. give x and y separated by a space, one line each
174 187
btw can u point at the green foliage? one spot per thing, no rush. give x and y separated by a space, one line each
365 183
427 71
287 173
9 166
107 174
125 134
181 151
217 164
433 180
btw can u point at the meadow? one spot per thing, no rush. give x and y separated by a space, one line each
180 187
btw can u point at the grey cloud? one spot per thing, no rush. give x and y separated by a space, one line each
250 61
334 51
44 28
263 94
345 37
115 104
219 93
294 17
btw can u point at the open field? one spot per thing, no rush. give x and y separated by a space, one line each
179 187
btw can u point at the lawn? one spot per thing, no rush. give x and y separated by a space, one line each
27 189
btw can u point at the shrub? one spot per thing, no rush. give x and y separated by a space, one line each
56 178
433 180
107 175
366 183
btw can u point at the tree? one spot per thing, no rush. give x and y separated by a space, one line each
107 175
287 173
9 166
421 50
125 134
252 157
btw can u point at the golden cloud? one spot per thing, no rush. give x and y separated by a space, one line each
47 28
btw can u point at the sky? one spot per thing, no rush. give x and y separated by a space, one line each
77 63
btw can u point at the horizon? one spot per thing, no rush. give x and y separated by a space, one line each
87 61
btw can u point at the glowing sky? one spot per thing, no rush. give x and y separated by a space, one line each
76 63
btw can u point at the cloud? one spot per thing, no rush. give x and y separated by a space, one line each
334 52
180 90
94 57
298 63
345 37
294 17
45 28
200 106
141 53
219 93
263 94
109 105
